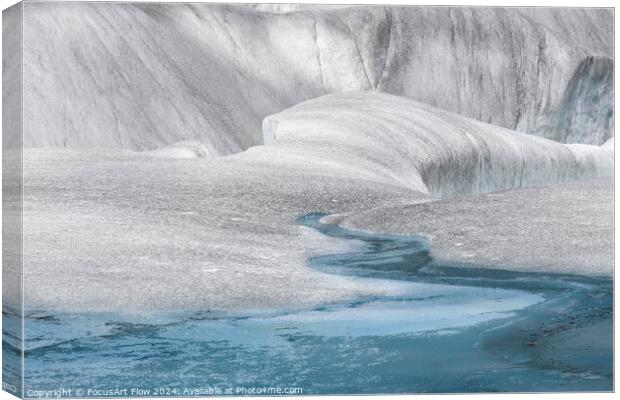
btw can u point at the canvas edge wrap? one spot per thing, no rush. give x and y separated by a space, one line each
12 200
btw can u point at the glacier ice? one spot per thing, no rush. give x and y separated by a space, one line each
565 228
145 76
177 143
393 139
228 222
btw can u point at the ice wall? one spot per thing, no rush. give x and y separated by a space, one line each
511 67
585 114
395 140
145 76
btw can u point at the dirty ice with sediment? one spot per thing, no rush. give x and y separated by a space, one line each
185 140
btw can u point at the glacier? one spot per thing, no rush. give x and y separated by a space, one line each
564 229
393 139
168 149
145 76
189 187
220 232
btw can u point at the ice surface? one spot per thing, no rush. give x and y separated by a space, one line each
392 139
566 228
585 113
127 107
184 149
122 230
145 76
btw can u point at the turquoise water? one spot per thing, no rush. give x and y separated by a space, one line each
448 330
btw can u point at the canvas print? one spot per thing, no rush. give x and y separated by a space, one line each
272 199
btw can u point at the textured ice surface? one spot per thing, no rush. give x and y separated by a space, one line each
105 230
585 114
118 230
395 140
145 76
127 105
184 149
565 228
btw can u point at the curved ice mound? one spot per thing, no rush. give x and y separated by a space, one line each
141 76
393 139
184 149
609 144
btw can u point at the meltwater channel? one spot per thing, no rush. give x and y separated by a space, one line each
453 330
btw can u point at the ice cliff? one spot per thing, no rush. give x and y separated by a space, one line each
146 76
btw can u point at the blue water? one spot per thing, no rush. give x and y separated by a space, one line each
448 330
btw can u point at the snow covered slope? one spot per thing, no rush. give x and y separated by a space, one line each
389 138
145 76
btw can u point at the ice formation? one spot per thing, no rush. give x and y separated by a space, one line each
145 76
566 228
393 139
169 148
